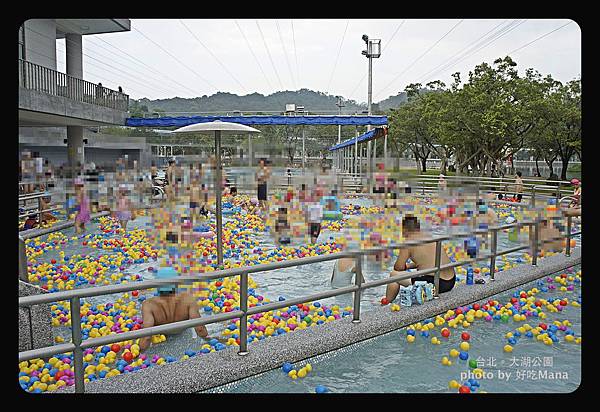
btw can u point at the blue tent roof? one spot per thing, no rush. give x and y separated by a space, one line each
370 135
258 120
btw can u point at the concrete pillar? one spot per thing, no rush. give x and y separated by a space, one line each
75 152
74 64
74 55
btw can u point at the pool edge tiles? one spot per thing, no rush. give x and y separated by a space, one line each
219 368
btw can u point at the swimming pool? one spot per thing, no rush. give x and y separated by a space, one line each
390 364
272 285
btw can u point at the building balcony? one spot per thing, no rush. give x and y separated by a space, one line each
51 98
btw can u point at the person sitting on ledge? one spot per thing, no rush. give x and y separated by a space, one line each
422 257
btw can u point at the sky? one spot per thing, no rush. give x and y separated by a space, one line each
202 57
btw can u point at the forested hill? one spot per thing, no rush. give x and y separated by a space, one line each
392 102
221 102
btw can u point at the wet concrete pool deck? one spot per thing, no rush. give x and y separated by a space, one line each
207 371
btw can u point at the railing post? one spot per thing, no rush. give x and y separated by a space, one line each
358 276
438 262
39 199
534 246
494 247
22 261
76 337
244 318
533 195
558 192
568 246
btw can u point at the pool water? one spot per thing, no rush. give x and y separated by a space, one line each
389 364
287 283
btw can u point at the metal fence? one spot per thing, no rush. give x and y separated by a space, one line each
43 79
77 345
531 188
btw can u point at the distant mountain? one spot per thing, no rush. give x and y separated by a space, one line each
227 102
393 102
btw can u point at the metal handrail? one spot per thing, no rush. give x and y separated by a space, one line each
74 296
44 79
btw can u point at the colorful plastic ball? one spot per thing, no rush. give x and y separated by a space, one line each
463 355
465 336
464 389
287 367
453 384
321 389
464 346
446 332
473 363
508 348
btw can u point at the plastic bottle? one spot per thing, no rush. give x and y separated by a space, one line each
469 275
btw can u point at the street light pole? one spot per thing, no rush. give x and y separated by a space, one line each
373 51
339 104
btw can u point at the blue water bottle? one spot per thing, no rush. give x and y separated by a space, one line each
469 275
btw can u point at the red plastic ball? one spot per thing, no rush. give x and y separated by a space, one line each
445 332
563 302
476 306
53 261
384 301
115 348
458 311
135 293
128 357
543 326
464 389
465 336
523 295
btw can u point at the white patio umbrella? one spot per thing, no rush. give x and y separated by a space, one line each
217 127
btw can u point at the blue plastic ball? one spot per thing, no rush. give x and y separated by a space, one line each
321 389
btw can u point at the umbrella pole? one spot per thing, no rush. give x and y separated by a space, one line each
218 193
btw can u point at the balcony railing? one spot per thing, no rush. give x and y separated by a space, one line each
43 79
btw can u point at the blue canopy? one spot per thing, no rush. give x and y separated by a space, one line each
370 135
251 120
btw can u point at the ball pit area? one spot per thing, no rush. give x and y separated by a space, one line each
542 327
107 254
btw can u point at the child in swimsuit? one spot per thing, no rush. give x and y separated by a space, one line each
123 207
83 212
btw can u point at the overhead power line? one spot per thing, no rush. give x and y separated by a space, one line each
501 33
338 55
253 55
214 56
193 92
285 54
419 58
295 54
120 70
541 37
269 54
176 59
471 46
